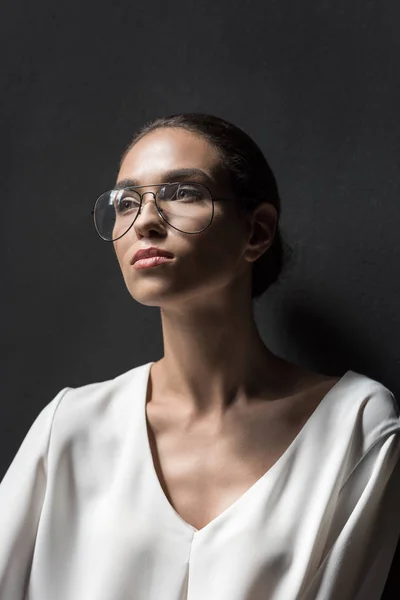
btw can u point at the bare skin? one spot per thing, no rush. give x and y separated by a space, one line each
221 407
205 465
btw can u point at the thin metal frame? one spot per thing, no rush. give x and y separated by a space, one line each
135 187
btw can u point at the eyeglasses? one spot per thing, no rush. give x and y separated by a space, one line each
185 206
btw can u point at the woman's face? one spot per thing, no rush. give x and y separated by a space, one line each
203 263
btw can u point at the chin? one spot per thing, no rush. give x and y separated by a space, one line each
151 293
164 297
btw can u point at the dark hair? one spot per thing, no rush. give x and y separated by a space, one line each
249 174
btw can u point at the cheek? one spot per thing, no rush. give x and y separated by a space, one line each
117 251
121 248
218 257
225 243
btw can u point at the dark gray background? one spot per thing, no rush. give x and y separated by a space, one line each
317 85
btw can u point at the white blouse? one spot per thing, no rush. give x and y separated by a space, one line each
83 515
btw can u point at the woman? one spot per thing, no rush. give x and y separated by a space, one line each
221 471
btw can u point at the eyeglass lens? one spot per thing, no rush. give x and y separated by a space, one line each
188 207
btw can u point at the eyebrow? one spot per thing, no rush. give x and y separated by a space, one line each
166 177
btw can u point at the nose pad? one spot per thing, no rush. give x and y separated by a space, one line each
158 210
143 199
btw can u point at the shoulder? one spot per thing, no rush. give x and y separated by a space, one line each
377 410
362 410
97 404
353 393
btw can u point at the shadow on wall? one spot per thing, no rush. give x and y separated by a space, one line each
332 343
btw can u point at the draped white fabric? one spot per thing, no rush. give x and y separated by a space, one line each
83 514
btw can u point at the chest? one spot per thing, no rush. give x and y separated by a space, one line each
204 468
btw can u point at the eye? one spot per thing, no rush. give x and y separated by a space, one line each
127 203
188 192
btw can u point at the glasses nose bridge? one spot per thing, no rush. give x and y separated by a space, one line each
142 198
143 195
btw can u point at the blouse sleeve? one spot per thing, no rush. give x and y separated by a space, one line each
22 492
365 528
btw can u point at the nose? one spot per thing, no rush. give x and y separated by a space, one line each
150 217
144 202
143 195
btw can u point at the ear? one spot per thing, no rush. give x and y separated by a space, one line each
262 226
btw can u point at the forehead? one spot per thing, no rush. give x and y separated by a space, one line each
169 149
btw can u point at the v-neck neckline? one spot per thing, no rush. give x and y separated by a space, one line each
251 490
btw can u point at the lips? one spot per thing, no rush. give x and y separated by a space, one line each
149 253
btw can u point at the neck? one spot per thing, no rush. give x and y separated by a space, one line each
215 358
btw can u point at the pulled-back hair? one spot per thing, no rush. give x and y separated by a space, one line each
249 174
